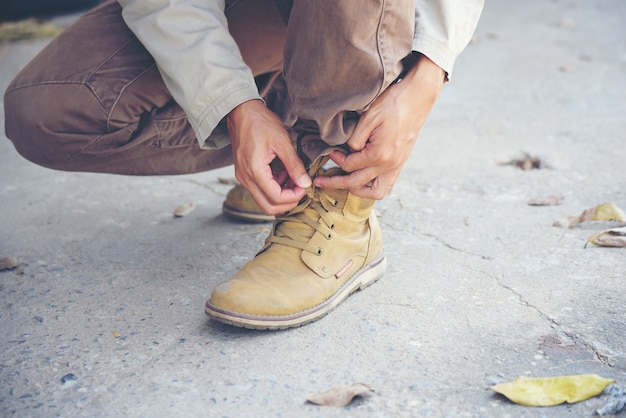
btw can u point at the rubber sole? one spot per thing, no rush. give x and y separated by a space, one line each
359 281
242 215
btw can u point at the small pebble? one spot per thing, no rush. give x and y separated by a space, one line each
568 23
70 377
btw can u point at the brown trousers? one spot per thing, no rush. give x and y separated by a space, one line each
93 99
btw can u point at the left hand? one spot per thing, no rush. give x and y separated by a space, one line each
385 134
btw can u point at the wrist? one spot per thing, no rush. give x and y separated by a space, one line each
424 70
242 109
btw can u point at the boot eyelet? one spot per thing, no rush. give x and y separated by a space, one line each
329 236
319 252
335 203
331 227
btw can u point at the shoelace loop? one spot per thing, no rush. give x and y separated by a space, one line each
305 213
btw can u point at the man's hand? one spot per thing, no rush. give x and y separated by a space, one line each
259 139
385 134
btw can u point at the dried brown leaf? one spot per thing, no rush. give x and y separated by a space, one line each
340 395
546 201
604 212
8 263
527 162
227 180
183 210
614 237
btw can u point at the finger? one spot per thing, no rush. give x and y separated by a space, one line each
362 132
354 161
269 194
353 181
377 189
294 166
285 200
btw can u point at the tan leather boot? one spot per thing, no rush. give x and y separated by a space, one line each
240 205
316 255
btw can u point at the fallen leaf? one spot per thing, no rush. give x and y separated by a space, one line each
549 391
116 334
614 237
547 201
339 396
183 210
605 212
227 180
8 263
526 162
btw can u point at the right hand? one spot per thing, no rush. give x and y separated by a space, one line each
259 139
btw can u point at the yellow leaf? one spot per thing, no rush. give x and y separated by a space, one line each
614 237
608 212
548 391
604 212
116 334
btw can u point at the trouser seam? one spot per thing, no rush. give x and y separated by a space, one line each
42 83
80 151
109 112
381 54
121 92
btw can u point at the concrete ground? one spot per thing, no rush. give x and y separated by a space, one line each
481 287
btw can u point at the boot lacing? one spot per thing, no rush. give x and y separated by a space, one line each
313 211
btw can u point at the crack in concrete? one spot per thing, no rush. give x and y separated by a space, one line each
460 250
207 186
602 358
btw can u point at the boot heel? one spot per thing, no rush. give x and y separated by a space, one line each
375 271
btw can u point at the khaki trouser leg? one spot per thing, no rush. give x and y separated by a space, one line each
339 57
93 99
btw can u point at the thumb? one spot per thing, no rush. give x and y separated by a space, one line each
361 134
294 166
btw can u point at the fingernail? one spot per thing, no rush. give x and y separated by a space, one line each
304 181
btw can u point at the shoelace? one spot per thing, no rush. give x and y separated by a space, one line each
311 212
